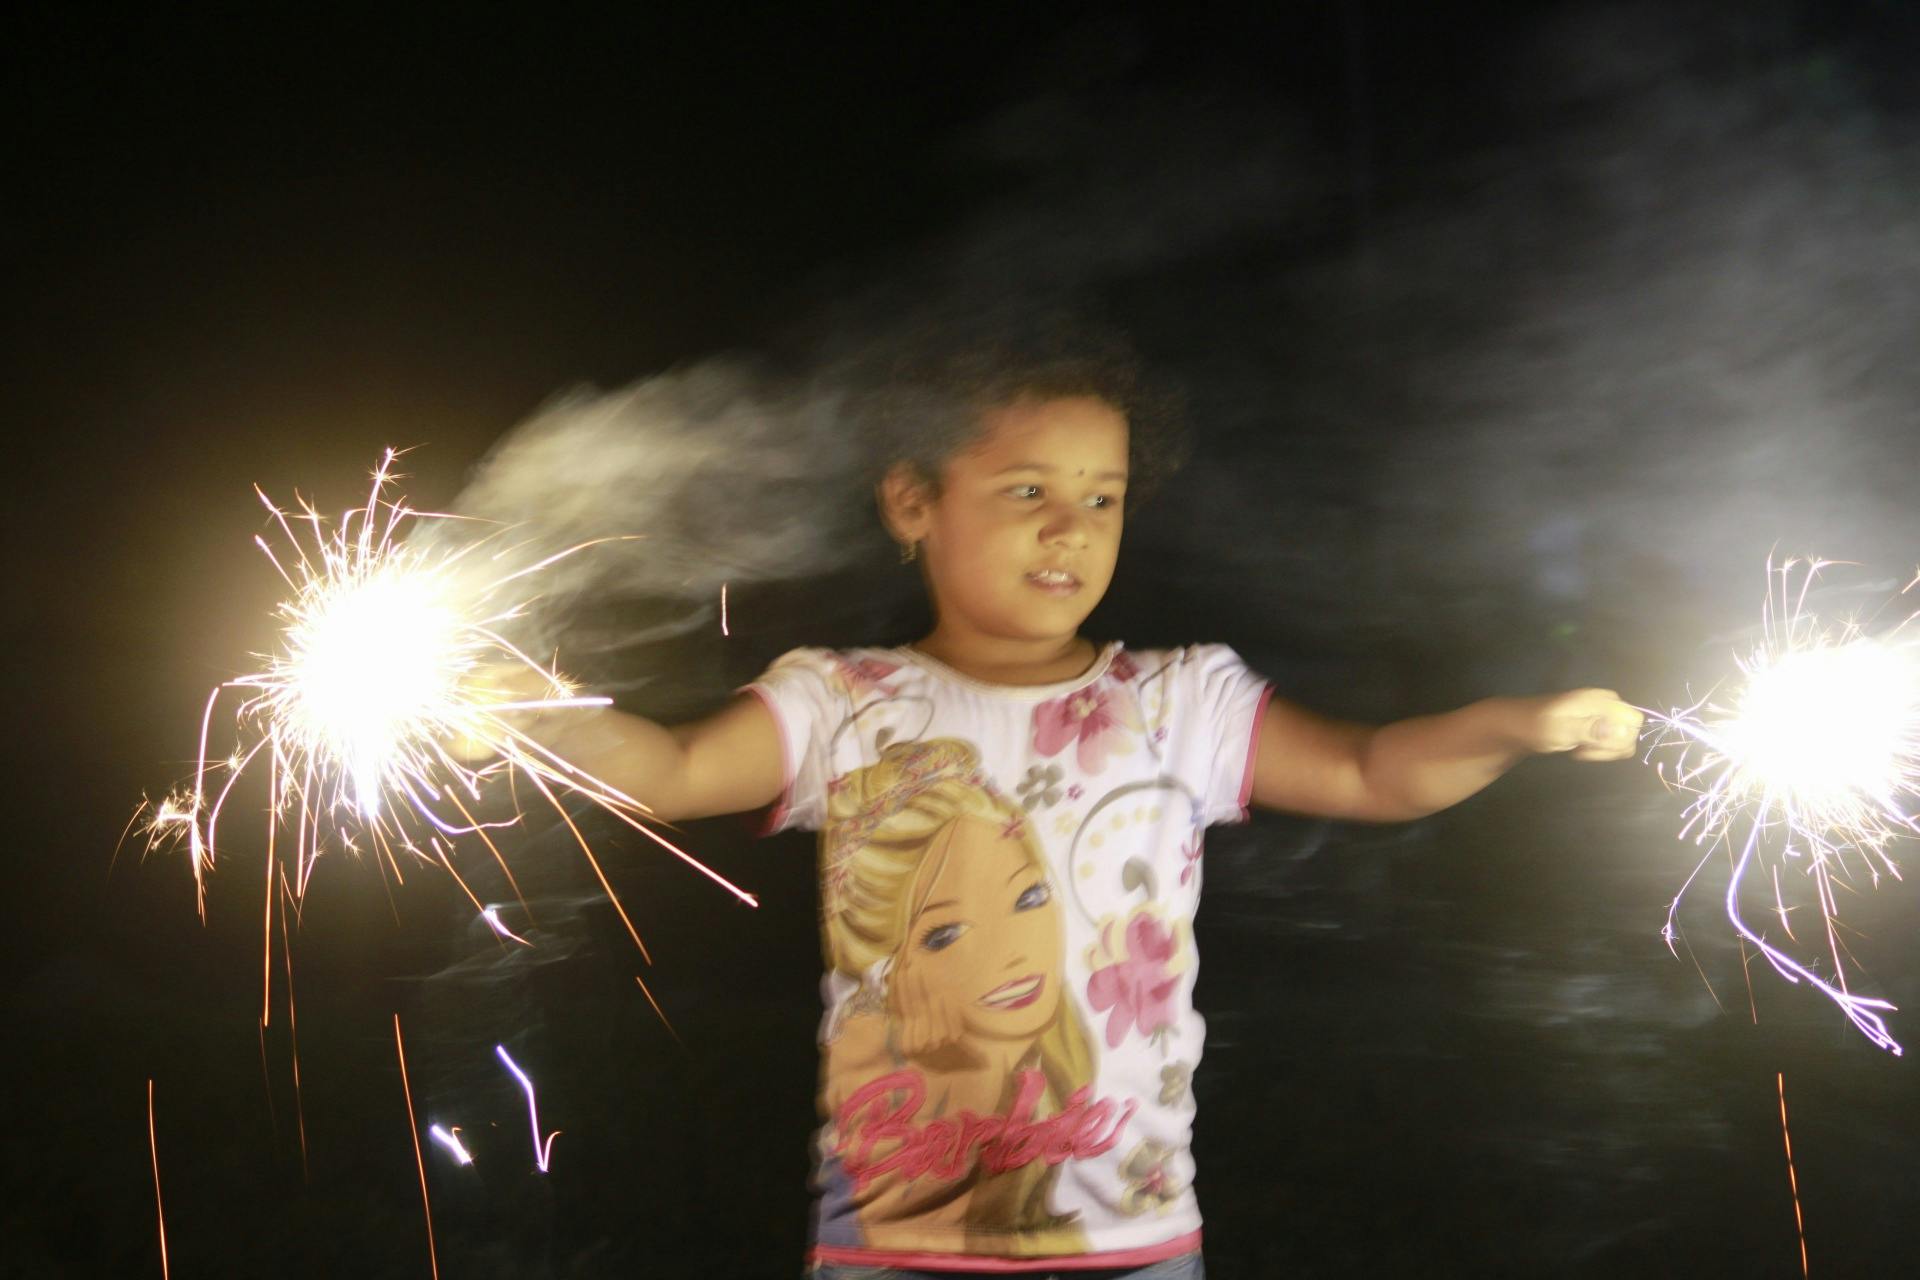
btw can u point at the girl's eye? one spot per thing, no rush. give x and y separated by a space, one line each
1100 502
1024 491
1037 896
940 937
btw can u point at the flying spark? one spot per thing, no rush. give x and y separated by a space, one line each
393 675
492 916
450 1139
1813 752
542 1148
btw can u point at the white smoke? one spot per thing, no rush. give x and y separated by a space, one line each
718 473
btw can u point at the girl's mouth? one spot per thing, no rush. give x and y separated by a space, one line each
1017 994
1054 582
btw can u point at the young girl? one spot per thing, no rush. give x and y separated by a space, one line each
1011 820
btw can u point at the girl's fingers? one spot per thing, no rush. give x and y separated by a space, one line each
1617 731
926 1022
907 1010
923 1020
940 1028
1612 735
923 1031
910 1035
949 1022
1596 725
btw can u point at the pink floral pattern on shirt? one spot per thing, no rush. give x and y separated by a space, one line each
1150 1181
864 676
1098 720
1137 992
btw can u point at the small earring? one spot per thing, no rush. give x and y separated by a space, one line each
909 552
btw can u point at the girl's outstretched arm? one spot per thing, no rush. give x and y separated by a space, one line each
1305 763
730 762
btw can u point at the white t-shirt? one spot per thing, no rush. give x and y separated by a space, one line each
1008 883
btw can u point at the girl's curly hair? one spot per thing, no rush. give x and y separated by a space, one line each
935 376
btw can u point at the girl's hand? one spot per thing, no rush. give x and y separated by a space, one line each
924 1020
499 682
1592 724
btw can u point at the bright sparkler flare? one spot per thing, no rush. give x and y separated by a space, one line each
1815 752
388 680
374 662
1826 733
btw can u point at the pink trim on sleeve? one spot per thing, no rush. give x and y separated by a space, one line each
1113 1259
1253 750
777 813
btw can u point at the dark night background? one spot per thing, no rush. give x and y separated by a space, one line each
1513 337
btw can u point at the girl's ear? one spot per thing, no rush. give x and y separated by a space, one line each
906 502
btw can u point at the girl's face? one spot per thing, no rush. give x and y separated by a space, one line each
987 943
1021 539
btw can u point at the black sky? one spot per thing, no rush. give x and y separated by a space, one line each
1390 252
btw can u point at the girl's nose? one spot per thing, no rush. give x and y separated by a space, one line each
1067 528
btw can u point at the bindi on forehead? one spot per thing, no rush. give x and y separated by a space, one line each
1049 470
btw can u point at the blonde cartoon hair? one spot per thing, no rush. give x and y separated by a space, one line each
883 822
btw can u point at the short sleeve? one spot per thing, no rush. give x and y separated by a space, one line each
804 701
1225 701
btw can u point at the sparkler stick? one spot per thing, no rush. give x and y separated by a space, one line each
1793 1180
389 654
1816 749
153 1146
541 1149
413 1130
293 1038
266 1079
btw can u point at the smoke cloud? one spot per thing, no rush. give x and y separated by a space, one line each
1542 395
1579 377
721 472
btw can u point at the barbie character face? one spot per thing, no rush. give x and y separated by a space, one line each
1023 533
987 942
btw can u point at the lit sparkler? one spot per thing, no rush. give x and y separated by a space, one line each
542 1147
1815 751
389 656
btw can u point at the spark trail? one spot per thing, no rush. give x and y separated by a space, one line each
1807 762
450 1139
393 701
492 916
542 1148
